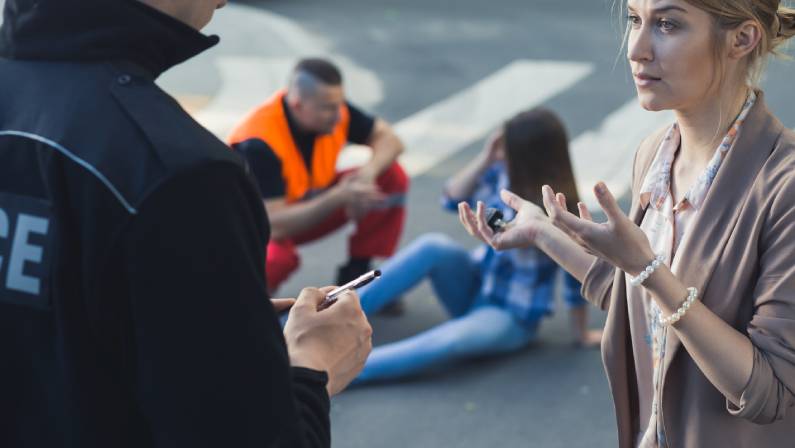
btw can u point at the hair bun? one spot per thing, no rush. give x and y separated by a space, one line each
786 24
780 21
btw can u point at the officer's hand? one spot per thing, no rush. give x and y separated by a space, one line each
336 340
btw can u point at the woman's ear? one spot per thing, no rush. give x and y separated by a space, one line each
744 39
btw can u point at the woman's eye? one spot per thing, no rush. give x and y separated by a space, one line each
666 25
633 20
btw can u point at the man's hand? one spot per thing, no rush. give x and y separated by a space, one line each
336 340
359 196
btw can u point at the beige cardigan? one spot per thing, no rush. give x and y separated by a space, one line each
741 257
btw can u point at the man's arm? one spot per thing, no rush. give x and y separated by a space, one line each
211 364
290 219
386 146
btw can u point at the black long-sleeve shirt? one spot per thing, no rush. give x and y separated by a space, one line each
208 349
133 308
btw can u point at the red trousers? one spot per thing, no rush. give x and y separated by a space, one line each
377 233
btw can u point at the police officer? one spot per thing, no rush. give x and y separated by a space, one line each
133 304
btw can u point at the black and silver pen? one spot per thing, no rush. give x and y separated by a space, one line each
356 283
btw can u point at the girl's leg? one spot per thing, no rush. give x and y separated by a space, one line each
485 330
434 255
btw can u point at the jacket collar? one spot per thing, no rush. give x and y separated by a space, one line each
98 30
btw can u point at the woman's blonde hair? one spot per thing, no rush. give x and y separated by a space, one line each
776 20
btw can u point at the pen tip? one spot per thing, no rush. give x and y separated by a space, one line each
377 273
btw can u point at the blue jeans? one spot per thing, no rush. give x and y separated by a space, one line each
476 328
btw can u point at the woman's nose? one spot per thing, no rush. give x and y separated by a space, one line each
639 47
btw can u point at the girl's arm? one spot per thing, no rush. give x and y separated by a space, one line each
463 184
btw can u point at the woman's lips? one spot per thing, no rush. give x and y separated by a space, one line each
645 80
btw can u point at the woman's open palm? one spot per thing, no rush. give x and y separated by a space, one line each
618 240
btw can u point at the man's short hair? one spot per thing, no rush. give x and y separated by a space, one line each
320 69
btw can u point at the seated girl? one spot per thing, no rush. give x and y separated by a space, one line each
496 300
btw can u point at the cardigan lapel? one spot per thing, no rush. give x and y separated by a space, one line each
617 355
701 250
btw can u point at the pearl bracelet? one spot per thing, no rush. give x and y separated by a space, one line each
692 294
644 275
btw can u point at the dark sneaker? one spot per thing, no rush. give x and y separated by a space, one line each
394 309
350 271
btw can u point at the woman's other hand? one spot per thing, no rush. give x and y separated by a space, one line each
619 240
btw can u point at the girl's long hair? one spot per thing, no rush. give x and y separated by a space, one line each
537 154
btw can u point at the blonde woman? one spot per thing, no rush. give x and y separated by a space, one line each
699 279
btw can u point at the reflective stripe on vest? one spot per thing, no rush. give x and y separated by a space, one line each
269 123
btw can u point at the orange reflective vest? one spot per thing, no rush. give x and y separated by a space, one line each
269 123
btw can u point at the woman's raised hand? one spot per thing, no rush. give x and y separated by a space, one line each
619 240
522 231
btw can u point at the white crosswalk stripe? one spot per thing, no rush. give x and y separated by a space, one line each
439 131
435 133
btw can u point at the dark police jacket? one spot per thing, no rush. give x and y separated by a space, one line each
133 308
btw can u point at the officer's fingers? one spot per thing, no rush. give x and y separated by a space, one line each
349 298
347 304
310 297
353 305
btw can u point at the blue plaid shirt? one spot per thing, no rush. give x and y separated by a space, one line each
520 280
